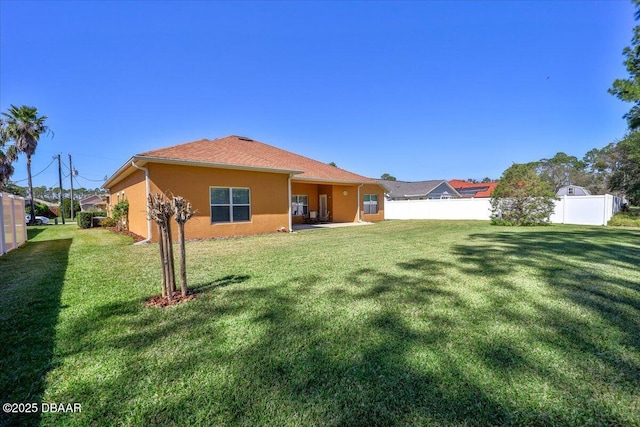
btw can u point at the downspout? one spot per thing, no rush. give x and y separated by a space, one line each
289 203
359 187
148 191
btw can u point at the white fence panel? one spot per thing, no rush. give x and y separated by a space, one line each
13 232
438 209
579 210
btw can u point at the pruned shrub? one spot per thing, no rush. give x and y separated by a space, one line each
85 219
108 222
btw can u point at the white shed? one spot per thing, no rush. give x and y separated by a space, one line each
573 190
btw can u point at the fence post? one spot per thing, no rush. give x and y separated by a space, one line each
13 221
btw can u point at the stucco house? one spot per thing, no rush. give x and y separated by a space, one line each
418 190
93 203
473 189
240 187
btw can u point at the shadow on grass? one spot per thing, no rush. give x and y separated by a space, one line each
33 231
31 280
223 282
306 351
579 268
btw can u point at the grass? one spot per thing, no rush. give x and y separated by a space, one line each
398 323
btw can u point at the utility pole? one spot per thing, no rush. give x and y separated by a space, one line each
71 179
60 208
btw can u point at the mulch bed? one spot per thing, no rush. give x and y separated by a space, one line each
162 302
136 237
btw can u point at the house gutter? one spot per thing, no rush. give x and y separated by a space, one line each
147 191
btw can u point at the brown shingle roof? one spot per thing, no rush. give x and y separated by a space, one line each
246 153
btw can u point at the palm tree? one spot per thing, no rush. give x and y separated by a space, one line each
24 127
7 156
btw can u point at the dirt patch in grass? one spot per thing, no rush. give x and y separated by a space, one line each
162 302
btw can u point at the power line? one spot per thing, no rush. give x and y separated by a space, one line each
33 176
92 180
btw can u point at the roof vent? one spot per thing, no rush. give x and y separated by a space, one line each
244 138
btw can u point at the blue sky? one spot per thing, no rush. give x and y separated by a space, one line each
420 90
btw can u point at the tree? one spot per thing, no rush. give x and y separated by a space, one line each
561 170
7 156
160 211
333 164
486 180
628 90
522 197
24 127
182 213
66 207
388 177
625 177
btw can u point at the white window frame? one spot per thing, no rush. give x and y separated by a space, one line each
297 202
371 203
230 205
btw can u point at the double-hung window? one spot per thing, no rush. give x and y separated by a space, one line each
230 204
299 205
370 204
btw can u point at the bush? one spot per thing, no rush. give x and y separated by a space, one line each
121 214
85 219
108 222
625 219
522 198
66 207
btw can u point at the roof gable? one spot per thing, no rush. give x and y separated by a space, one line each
237 151
471 189
416 189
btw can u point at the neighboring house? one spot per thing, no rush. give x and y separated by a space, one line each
53 207
418 190
93 203
470 189
239 186
573 190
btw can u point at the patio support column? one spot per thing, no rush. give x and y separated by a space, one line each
358 211
289 202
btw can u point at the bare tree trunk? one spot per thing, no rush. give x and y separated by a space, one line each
172 275
183 260
162 260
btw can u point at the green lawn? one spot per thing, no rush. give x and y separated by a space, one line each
397 323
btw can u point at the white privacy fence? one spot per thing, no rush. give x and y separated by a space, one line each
580 210
14 228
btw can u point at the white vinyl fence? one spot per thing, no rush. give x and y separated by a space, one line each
14 228
580 210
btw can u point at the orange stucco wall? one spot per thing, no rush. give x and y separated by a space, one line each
133 189
344 206
268 196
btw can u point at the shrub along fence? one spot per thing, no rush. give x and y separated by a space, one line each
14 225
579 210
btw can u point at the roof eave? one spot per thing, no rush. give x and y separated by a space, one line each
334 180
142 160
